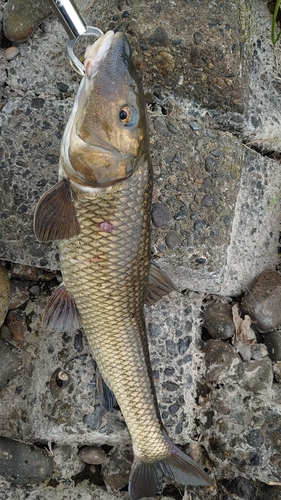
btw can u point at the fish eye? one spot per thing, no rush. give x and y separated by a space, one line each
127 116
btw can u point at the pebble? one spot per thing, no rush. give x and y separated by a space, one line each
19 294
10 362
24 272
24 464
242 487
161 215
207 201
195 126
21 18
11 52
172 239
34 290
5 333
258 375
197 37
221 361
159 37
16 321
258 351
273 343
218 320
262 301
277 371
116 469
160 126
92 455
210 164
5 291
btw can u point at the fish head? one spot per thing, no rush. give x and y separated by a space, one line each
107 133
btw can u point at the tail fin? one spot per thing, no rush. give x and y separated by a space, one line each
146 477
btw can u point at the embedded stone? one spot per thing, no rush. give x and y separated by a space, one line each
22 463
16 321
221 361
5 291
92 455
258 375
116 469
218 320
161 215
10 362
273 343
262 301
21 18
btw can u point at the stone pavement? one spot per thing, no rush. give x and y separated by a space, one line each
204 75
212 89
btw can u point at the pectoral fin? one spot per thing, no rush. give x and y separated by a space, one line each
54 217
159 285
106 397
61 312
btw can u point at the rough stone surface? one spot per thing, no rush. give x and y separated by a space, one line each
52 402
241 428
21 18
5 290
221 231
209 89
262 301
21 463
218 320
10 362
273 344
116 469
258 375
19 294
16 321
221 360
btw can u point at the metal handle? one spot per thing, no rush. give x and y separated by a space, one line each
69 16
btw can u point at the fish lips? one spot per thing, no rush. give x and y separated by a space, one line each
96 166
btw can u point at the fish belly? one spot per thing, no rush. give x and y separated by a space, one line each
105 268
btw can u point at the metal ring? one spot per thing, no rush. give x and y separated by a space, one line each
77 65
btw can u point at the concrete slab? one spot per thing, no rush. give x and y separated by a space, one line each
202 175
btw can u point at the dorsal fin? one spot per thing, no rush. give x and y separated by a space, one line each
159 285
54 217
61 312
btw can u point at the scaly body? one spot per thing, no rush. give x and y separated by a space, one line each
107 273
100 212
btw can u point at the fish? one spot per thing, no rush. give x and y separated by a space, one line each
99 211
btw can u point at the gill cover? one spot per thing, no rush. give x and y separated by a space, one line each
107 132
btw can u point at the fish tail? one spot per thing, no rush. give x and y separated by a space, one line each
146 477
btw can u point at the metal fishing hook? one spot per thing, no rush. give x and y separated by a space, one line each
75 28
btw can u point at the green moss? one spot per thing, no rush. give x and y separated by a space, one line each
246 24
234 170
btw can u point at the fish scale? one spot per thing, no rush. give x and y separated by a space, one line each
100 212
109 294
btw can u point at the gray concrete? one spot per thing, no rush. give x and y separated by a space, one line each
211 85
229 229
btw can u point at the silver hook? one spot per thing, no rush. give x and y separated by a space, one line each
75 27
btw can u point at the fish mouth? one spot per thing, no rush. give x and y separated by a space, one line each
96 53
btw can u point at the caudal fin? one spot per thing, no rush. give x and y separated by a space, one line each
146 477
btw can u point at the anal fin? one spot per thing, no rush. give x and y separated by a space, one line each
159 285
61 312
55 217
